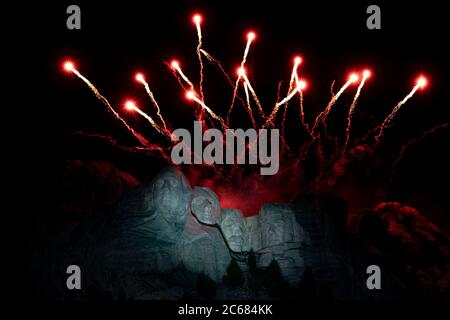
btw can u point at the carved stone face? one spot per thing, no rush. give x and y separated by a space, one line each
171 195
272 226
205 205
232 225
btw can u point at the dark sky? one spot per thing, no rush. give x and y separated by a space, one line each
118 39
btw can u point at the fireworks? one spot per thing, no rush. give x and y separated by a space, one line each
176 66
318 136
241 73
420 84
197 20
70 67
322 117
140 78
270 118
366 75
131 106
249 108
191 96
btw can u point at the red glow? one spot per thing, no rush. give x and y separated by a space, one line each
190 95
301 84
175 64
422 82
139 77
298 60
367 73
69 66
241 71
197 18
353 77
251 36
129 105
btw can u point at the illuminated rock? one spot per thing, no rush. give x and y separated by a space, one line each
205 205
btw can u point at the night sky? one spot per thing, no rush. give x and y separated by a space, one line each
116 40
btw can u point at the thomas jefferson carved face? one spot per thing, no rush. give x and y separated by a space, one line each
232 225
205 206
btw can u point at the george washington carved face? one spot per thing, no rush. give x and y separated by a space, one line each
170 196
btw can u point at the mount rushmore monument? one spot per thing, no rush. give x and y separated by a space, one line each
158 240
167 223
168 227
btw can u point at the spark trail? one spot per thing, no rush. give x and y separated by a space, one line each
272 115
191 96
140 78
243 75
322 117
366 74
69 67
294 77
249 109
302 112
197 20
218 64
421 83
176 66
149 150
250 37
414 141
130 105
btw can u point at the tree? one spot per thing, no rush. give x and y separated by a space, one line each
274 281
206 286
307 285
234 276
251 261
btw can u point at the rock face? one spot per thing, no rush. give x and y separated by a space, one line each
168 225
283 240
274 234
323 217
408 245
161 236
154 230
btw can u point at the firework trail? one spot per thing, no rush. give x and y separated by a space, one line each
250 37
176 66
421 83
243 75
140 78
69 66
294 74
249 109
322 117
366 74
191 96
412 142
130 105
270 118
302 113
197 19
111 141
218 64
227 77
301 85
